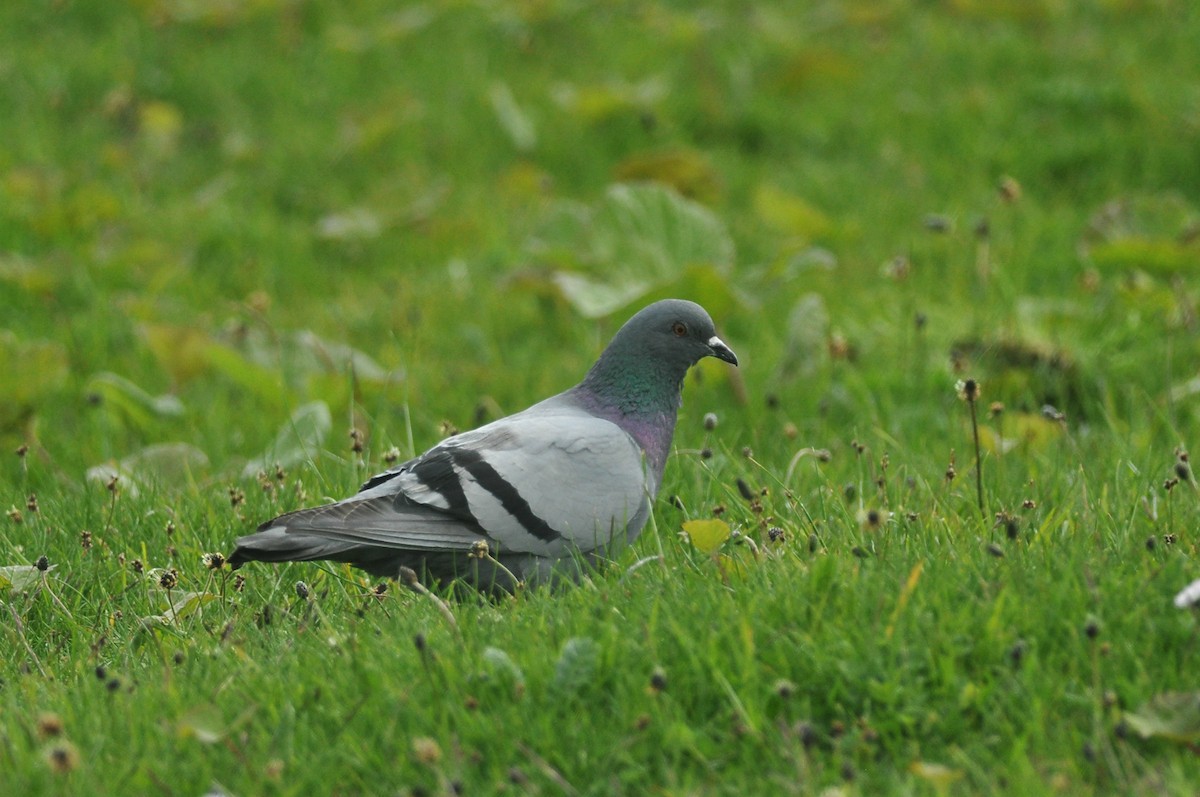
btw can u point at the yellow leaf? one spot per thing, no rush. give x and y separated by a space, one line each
181 350
939 775
790 214
707 535
688 171
1029 431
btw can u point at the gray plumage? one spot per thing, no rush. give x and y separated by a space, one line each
562 483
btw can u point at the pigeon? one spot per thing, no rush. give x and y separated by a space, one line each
527 499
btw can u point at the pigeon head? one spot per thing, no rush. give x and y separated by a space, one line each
643 367
673 334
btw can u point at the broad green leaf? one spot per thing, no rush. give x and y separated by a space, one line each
185 604
298 441
333 357
135 405
641 239
502 665
595 299
264 383
1161 257
807 339
577 664
162 463
707 535
1170 715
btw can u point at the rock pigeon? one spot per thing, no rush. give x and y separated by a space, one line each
558 485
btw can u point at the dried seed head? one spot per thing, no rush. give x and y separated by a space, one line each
1009 189
710 421
22 450
85 540
137 566
790 431
1092 628
426 750
111 484
1182 470
706 453
995 409
447 429
49 725
302 591
168 579
967 389
236 497
1029 503
42 563
356 440
214 560
62 757
747 452
784 689
31 503
995 550
15 515
898 268
169 528
658 680
479 550
840 348
239 582
776 534
391 456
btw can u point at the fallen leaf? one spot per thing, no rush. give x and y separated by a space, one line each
707 535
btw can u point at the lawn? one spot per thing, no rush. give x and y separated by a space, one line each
253 252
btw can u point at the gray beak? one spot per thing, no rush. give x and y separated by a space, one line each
718 349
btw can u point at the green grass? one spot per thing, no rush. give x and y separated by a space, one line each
184 188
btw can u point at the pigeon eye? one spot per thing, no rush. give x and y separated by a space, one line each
679 328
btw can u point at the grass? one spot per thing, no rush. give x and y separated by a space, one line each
209 200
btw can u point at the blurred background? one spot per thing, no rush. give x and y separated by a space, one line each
423 215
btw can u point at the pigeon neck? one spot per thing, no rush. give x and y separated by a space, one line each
639 395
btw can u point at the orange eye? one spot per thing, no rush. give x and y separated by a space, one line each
679 328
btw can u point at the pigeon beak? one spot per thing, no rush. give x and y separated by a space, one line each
718 349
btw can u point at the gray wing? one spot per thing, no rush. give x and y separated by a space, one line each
544 482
